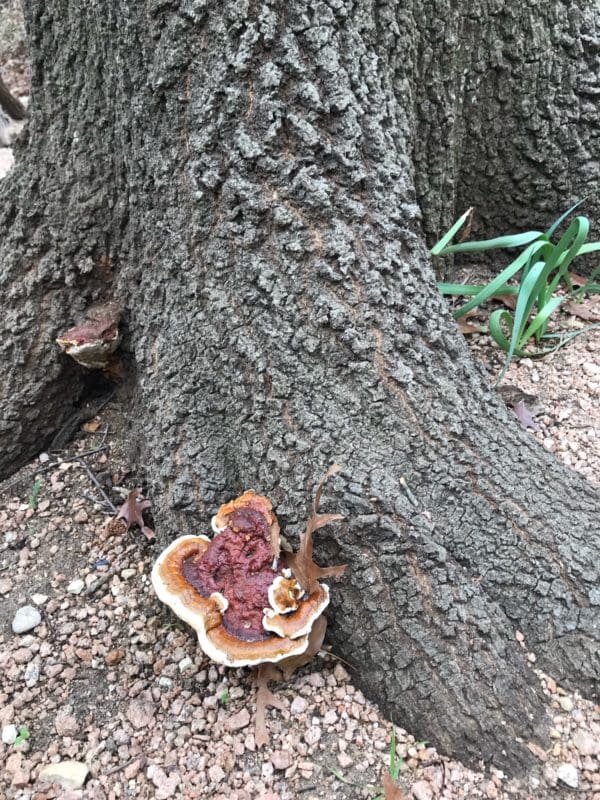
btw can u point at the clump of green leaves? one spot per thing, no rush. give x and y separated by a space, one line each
224 697
34 494
541 267
23 735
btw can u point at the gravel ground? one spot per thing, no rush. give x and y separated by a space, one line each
110 679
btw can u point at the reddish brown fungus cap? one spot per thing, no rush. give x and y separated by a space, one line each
245 609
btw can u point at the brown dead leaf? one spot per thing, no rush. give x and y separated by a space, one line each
315 639
91 426
524 415
577 280
466 328
265 699
464 234
132 513
391 790
306 572
509 300
588 310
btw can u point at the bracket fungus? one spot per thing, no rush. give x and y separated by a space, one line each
237 590
92 342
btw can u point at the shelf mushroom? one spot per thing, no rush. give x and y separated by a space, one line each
244 603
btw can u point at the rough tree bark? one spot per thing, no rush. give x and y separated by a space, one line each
254 182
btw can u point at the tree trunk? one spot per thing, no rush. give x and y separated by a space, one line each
248 180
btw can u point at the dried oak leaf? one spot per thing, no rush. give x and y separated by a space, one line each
131 512
265 699
524 415
589 309
306 572
466 328
391 790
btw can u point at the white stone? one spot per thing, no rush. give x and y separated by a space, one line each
9 734
299 705
566 703
39 599
32 674
567 774
26 619
69 774
76 586
185 663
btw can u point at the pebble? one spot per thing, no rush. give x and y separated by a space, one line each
76 587
32 674
586 743
421 790
312 735
299 705
344 760
566 703
65 723
69 774
238 721
80 516
39 599
216 774
567 774
185 663
5 585
281 759
166 785
9 734
26 619
140 713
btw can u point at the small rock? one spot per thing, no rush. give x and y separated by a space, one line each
26 619
9 734
80 516
316 680
299 705
567 774
551 685
586 743
166 785
344 760
39 599
5 585
69 774
140 714
566 703
421 790
76 586
238 721
114 657
164 682
185 663
312 735
43 457
216 774
65 723
281 759
340 674
32 674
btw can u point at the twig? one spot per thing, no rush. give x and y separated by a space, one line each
409 494
98 485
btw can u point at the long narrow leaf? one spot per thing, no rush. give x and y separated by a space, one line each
469 289
449 235
541 318
515 240
562 217
493 287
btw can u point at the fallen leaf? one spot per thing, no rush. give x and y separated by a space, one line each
131 512
509 300
466 328
92 426
306 572
577 280
315 639
588 310
524 415
391 789
265 699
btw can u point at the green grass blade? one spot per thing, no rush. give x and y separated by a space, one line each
556 224
449 235
515 240
493 287
541 318
469 289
